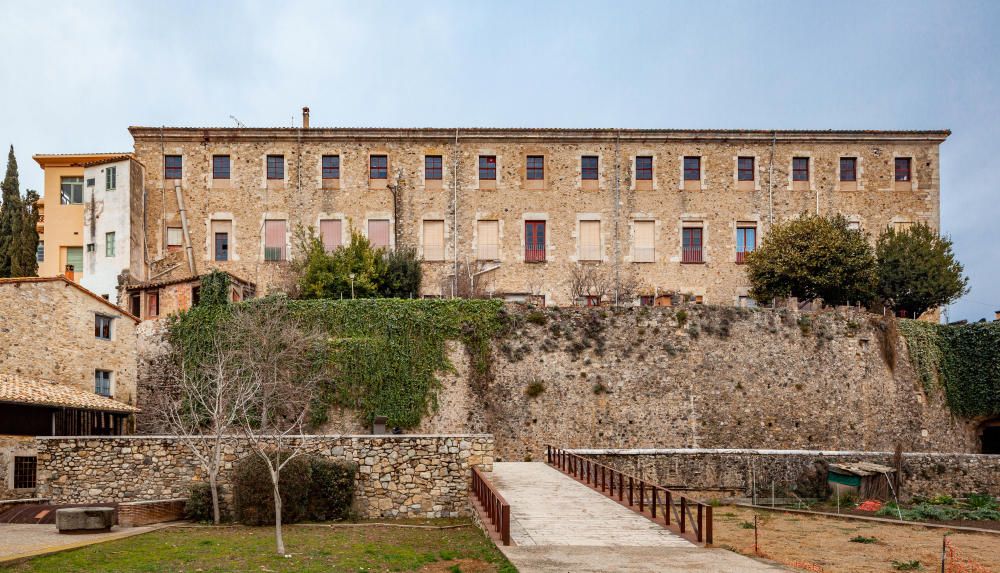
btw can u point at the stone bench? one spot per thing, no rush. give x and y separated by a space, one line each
85 519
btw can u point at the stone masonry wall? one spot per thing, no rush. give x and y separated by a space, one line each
398 476
925 474
10 447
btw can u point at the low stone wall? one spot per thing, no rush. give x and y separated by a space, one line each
398 476
136 513
797 471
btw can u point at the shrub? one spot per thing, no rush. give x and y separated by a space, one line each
682 317
535 389
907 565
863 539
331 491
981 501
537 317
199 503
253 494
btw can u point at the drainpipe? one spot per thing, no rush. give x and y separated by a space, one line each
770 182
454 225
184 227
617 215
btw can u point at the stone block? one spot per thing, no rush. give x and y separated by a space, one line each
85 519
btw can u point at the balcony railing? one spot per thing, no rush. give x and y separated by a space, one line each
274 253
534 254
691 255
741 256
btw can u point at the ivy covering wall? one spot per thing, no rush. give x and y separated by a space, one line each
963 359
385 354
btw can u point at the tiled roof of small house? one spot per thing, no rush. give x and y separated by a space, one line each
16 389
183 279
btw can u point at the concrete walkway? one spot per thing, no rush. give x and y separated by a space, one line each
560 525
22 541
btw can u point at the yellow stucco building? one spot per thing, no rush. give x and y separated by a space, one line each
61 209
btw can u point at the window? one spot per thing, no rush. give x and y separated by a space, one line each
110 178
330 231
91 182
592 300
102 382
691 247
644 168
274 240
644 250
536 167
588 167
590 240
220 167
800 169
534 241
646 300
91 247
195 295
25 472
275 166
433 240
488 240
133 304
331 167
745 302
746 241
692 168
109 244
221 246
432 168
74 259
40 251
488 167
744 169
175 238
102 327
378 167
848 168
71 191
153 304
172 166
854 225
378 233
902 169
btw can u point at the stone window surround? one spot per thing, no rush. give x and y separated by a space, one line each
266 183
170 183
212 182
736 170
489 216
382 216
812 170
210 239
376 184
490 184
575 257
642 217
345 226
902 185
112 331
111 382
859 171
699 185
745 220
534 184
549 246
320 182
855 219
19 451
437 184
432 216
693 220
590 184
273 216
634 183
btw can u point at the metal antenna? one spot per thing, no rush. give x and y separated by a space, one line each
238 122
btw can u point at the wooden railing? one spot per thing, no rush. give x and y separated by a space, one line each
493 504
647 499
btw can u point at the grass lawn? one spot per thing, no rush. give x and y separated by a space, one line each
312 548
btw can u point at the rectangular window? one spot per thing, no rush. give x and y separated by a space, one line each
378 233
488 240
110 178
645 251
902 169
536 167
848 168
40 251
153 304
330 231
109 244
432 168
274 240
102 382
133 304
588 167
172 166
102 327
275 167
331 167
744 169
746 302
220 167
534 241
692 243
590 240
746 241
433 240
800 169
692 168
71 191
175 237
378 167
488 167
25 472
221 246
74 259
644 168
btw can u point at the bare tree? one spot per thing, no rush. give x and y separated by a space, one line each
589 280
282 362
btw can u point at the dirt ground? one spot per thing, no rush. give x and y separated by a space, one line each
822 544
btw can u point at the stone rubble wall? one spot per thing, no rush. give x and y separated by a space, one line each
739 470
10 447
398 476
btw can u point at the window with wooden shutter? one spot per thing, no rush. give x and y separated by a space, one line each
74 259
433 240
331 232
590 240
691 245
274 240
488 241
378 233
645 251
534 241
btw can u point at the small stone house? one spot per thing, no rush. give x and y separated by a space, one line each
153 299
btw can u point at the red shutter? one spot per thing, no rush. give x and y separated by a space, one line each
330 231
378 232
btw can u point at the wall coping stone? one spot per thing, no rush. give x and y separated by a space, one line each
674 451
301 436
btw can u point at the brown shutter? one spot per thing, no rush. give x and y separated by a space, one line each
378 232
644 249
590 240
488 241
434 240
331 232
274 240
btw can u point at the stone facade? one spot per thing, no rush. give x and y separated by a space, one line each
398 476
47 333
11 447
734 470
613 206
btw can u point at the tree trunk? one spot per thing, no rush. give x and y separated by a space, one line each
277 515
213 483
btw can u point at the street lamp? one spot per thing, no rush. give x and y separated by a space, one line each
351 275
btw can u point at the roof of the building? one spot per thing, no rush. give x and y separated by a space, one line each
15 389
183 279
111 159
73 159
861 468
30 280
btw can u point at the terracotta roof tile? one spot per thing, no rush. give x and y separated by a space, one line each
16 389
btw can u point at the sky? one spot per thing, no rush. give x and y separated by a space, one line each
77 74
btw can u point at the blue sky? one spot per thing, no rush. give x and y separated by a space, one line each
76 75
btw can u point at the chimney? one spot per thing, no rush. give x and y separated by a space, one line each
305 117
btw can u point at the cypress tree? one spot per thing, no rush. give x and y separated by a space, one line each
24 261
10 213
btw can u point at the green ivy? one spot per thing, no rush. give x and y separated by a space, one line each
963 359
385 354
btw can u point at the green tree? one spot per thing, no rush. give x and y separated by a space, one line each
356 269
10 213
23 254
917 270
214 289
403 274
814 257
